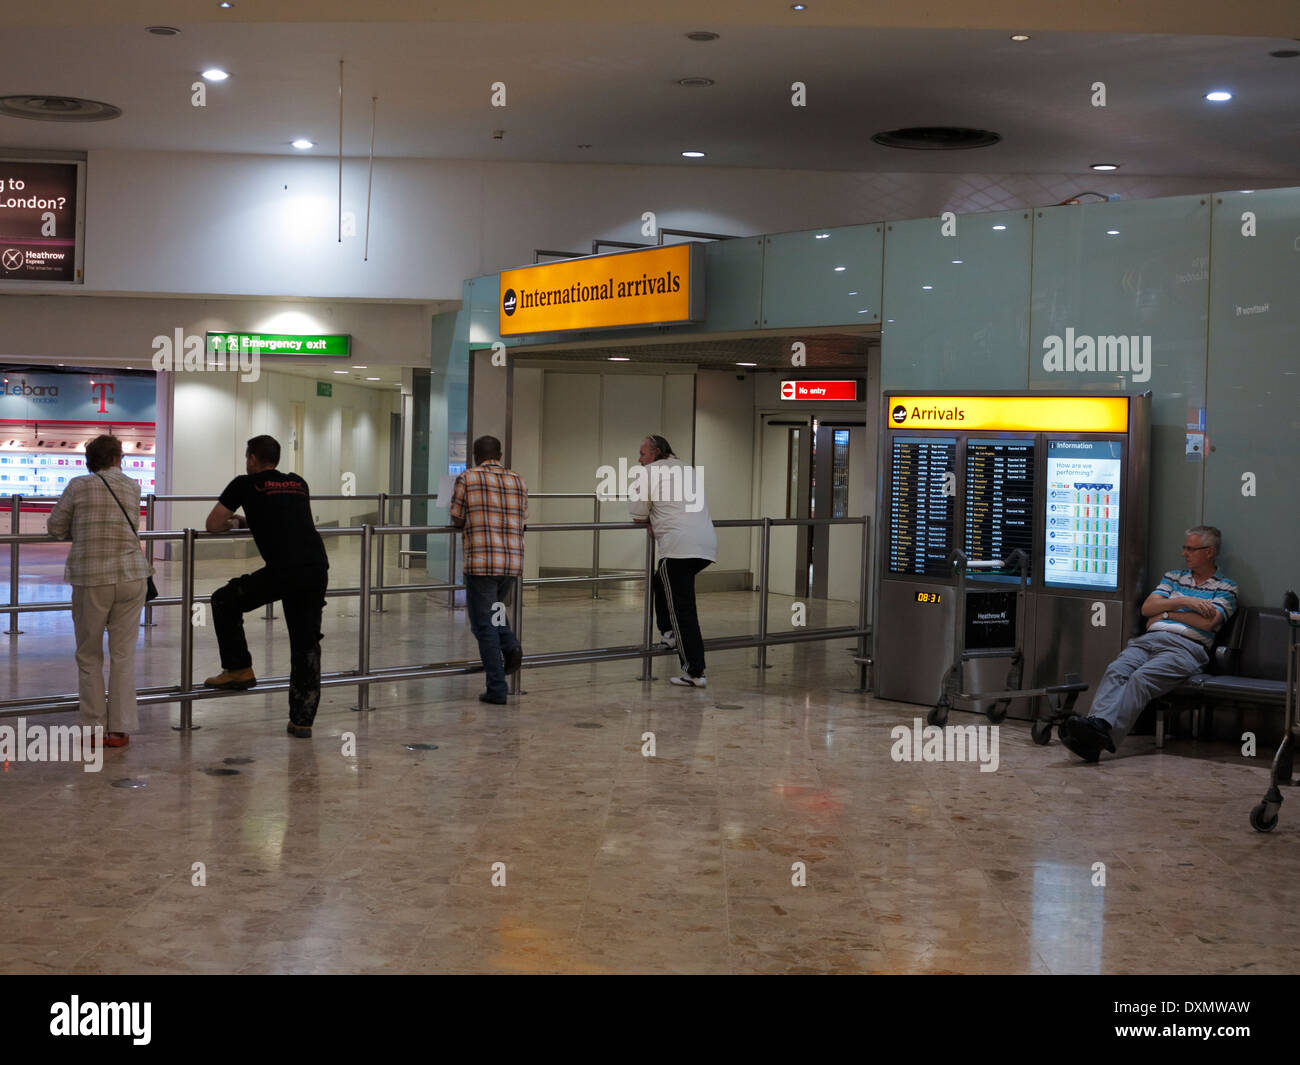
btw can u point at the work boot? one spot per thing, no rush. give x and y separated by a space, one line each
1086 736
303 732
232 680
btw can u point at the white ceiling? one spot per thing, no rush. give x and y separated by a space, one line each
614 87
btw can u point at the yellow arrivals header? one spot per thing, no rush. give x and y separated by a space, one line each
1013 414
651 287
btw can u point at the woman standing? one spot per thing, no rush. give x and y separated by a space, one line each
672 502
109 578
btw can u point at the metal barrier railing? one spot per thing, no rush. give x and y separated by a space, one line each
365 675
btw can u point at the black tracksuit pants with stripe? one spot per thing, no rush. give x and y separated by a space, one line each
674 587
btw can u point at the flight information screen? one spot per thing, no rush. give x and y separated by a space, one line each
1081 539
999 498
921 493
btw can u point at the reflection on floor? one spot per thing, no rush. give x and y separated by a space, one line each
768 828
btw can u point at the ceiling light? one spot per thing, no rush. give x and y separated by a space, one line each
619 358
746 364
1105 166
852 293
694 83
1284 53
215 74
302 144
226 4
701 35
355 367
1020 36
692 155
927 287
340 371
840 269
162 31
958 262
798 7
1218 96
821 236
999 227
372 378
1112 232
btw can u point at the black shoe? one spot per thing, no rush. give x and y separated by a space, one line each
486 698
1086 736
514 659
303 732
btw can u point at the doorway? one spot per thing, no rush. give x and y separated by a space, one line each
785 491
837 490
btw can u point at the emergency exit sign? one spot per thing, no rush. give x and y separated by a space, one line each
820 390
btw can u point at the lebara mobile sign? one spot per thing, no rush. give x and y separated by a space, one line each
77 397
658 286
1011 414
38 221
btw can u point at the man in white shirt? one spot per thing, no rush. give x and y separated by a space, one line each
672 502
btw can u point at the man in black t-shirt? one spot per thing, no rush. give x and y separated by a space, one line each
277 509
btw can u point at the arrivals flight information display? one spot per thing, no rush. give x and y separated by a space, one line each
921 505
1081 542
999 498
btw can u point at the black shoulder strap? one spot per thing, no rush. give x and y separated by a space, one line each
119 505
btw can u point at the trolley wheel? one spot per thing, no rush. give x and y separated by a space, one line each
998 710
937 716
1257 821
1041 733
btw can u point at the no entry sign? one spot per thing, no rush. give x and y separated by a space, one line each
820 390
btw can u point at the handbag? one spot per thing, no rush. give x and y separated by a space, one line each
151 589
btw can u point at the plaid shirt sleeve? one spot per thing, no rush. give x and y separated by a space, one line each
456 509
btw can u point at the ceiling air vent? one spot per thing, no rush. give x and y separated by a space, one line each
937 138
57 109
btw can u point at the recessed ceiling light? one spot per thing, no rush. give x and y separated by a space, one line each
798 7
302 144
372 378
694 83
162 31
927 287
852 293
999 227
1105 166
1284 53
226 4
1218 96
958 262
355 367
619 358
701 35
840 269
215 74
821 236
340 371
692 155
746 364
1020 36
1112 232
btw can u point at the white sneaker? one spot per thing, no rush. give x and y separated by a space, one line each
668 640
687 681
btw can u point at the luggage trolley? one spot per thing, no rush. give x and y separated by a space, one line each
1061 697
1263 817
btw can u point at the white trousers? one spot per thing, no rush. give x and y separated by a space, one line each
115 607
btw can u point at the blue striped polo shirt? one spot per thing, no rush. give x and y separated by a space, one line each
1218 590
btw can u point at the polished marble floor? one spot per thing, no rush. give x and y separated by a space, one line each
539 837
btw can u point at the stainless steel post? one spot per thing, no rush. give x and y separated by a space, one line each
862 602
595 548
647 662
148 553
379 555
363 638
451 572
764 546
517 622
15 513
187 632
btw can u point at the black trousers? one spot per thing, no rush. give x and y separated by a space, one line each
675 608
301 592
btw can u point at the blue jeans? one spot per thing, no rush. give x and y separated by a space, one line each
482 596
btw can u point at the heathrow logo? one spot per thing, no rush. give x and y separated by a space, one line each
12 258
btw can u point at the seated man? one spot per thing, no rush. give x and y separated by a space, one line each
1184 612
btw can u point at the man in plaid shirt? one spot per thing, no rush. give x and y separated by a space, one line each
490 503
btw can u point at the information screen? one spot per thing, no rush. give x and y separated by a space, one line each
999 498
921 505
1081 542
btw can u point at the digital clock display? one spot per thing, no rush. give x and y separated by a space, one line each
928 597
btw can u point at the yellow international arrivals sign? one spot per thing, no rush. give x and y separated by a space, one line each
1011 414
658 286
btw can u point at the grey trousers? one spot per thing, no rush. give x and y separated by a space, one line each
115 607
1153 664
